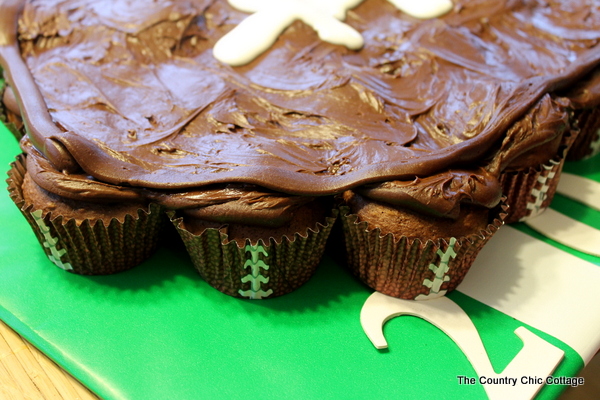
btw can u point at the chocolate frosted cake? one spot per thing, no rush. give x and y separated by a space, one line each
244 120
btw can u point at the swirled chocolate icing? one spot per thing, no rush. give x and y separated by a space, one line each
128 96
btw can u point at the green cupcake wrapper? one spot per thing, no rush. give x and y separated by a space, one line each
89 248
264 270
410 268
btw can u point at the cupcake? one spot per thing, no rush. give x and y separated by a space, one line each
245 241
145 110
530 159
588 143
85 237
406 248
254 260
585 97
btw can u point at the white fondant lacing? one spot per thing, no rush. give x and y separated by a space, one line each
255 34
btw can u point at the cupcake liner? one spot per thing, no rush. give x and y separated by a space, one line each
530 191
410 268
264 270
89 248
587 143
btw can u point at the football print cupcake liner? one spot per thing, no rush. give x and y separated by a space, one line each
264 269
410 268
89 247
587 143
530 191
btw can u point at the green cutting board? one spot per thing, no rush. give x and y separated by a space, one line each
159 331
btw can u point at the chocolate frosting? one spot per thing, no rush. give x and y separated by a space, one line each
586 93
240 203
128 95
442 193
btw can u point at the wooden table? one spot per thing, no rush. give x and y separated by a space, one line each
25 373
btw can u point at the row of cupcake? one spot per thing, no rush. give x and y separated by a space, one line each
393 249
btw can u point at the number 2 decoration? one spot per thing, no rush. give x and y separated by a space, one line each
537 358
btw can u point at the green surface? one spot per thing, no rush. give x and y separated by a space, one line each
159 331
590 168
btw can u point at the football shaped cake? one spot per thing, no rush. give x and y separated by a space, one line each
253 125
